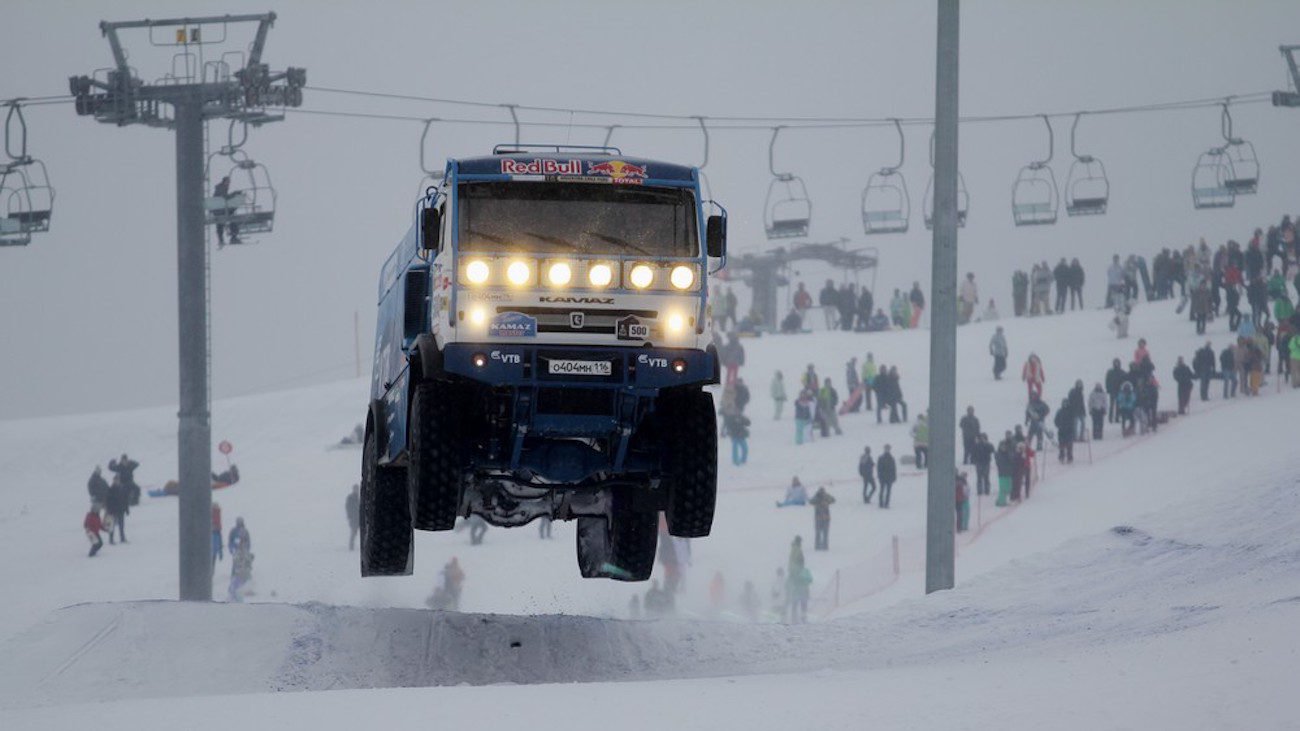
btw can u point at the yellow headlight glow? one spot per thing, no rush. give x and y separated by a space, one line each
641 276
518 273
600 275
559 274
477 271
682 277
477 316
676 323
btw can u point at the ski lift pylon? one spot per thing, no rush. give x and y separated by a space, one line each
927 202
787 211
26 196
1087 189
1034 195
886 207
1243 163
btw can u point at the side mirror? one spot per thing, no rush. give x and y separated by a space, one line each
715 236
430 228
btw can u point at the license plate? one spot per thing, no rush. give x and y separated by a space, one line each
580 368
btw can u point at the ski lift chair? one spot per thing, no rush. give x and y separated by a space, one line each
963 203
1087 189
249 207
787 211
1209 180
886 206
1243 165
1034 195
28 202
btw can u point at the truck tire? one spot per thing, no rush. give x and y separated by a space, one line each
387 548
691 437
620 546
435 457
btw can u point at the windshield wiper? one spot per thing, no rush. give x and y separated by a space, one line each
619 242
554 240
488 236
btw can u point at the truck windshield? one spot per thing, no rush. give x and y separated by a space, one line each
577 218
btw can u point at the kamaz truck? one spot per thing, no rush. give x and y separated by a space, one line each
542 350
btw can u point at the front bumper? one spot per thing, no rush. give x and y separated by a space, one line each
644 370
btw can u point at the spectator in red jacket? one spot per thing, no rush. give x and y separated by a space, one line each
93 526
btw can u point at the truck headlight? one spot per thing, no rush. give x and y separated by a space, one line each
519 273
477 271
600 275
477 316
559 274
676 323
682 277
641 276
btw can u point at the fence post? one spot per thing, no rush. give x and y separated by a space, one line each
896 568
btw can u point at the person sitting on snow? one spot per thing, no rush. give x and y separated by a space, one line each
795 495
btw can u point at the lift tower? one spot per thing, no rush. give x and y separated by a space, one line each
202 84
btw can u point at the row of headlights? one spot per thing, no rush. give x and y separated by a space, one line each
562 273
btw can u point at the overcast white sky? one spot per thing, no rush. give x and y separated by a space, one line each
87 312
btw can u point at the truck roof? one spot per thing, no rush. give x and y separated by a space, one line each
621 168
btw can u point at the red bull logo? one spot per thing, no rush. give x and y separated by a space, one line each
618 170
541 167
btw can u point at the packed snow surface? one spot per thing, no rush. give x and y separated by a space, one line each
1157 586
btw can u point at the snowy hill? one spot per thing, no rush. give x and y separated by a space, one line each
1193 602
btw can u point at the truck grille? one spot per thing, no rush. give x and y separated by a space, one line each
595 321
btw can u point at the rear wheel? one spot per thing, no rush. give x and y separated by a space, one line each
387 548
434 447
620 546
690 432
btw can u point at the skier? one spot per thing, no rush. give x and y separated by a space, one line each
887 471
738 430
1019 292
982 458
351 506
1203 367
1126 403
777 391
1098 402
1184 378
990 312
998 349
125 469
117 507
803 413
869 372
733 357
1065 425
968 297
821 502
827 400
798 580
1228 370
217 553
97 486
1115 287
241 572
1079 410
963 503
1114 378
917 300
238 538
970 430
828 300
1061 275
867 471
921 441
853 385
802 303
1035 414
1004 459
93 525
1076 283
1033 375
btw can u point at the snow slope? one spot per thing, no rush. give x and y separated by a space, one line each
1203 589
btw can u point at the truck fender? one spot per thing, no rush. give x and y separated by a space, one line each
427 357
717 365
377 424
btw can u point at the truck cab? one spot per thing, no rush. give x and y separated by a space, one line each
542 349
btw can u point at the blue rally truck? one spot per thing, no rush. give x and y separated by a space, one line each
542 350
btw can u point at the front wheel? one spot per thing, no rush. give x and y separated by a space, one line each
620 546
436 456
690 430
387 548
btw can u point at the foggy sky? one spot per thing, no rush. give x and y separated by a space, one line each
88 310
